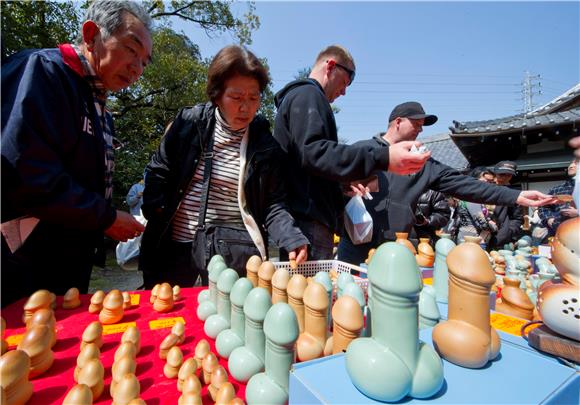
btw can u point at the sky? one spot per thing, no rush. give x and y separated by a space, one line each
463 61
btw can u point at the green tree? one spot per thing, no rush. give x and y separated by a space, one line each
37 24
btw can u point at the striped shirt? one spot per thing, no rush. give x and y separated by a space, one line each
222 205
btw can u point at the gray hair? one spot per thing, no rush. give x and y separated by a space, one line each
108 15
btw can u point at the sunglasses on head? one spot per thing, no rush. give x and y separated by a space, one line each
351 73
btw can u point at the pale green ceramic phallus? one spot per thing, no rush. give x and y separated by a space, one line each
393 363
505 252
220 321
343 279
232 338
204 295
355 291
209 306
281 330
323 278
248 360
429 314
440 271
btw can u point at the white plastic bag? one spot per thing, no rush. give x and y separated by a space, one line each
358 222
128 252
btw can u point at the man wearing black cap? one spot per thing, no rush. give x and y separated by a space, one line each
392 207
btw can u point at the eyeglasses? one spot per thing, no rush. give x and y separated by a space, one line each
351 73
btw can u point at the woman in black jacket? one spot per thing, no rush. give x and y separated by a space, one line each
213 186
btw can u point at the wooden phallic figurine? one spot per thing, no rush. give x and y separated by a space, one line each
38 300
281 330
80 394
72 299
37 344
93 333
218 377
295 290
121 366
126 300
466 338
201 350
252 268
191 391
164 301
174 362
208 365
46 317
394 363
128 389
177 293
112 311
169 342
92 375
126 349
88 352
220 321
514 301
189 367
248 360
227 395
310 344
133 335
154 292
179 330
14 368
230 339
97 302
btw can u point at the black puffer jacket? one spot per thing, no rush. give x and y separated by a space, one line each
172 167
433 206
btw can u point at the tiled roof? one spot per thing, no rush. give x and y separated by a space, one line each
516 123
559 101
445 151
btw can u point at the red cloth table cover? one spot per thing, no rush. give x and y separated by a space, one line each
52 386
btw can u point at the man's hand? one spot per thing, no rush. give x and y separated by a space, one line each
570 212
299 255
533 198
125 227
357 189
403 161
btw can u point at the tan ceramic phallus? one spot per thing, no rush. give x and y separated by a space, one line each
296 287
209 364
72 299
39 299
188 368
227 395
97 302
348 321
265 273
202 349
14 368
370 255
218 378
466 338
177 293
179 330
403 239
164 301
280 281
154 291
514 301
122 366
46 317
80 394
112 311
559 303
425 254
174 361
133 335
191 391
252 266
89 352
126 349
92 375
170 341
310 343
127 390
36 343
93 333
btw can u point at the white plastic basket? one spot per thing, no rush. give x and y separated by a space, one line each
309 269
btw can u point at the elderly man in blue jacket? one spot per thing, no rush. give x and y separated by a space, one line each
57 154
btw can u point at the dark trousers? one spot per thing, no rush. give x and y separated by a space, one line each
47 260
177 267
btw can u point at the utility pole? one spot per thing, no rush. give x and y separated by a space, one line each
530 83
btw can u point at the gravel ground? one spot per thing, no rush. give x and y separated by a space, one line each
113 276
